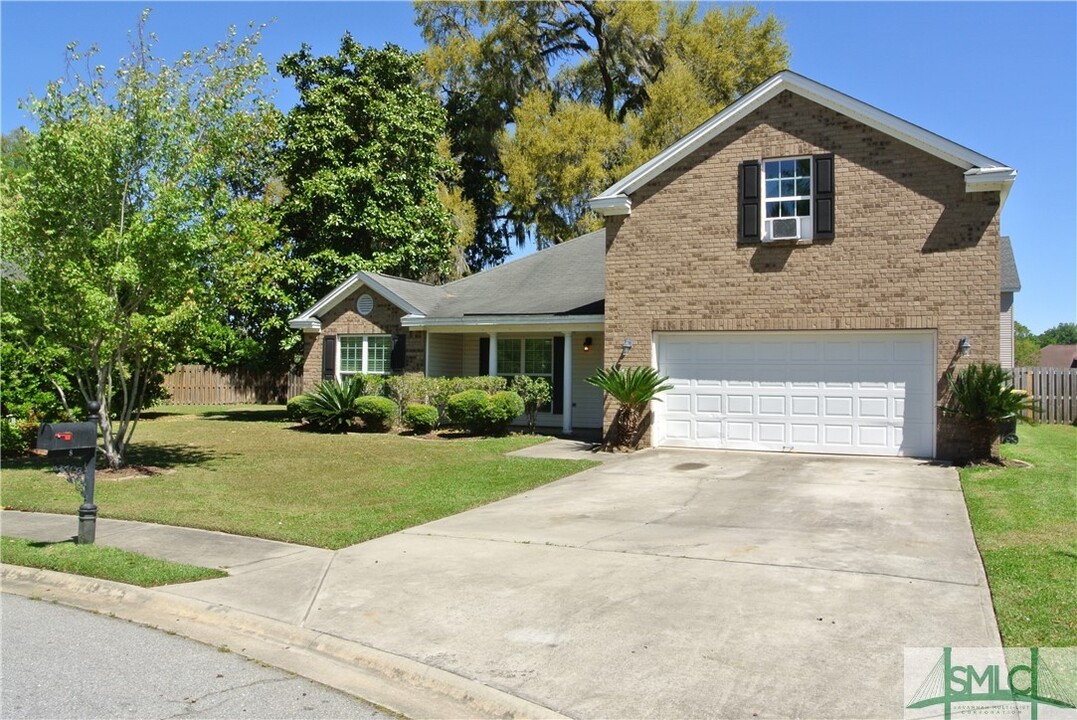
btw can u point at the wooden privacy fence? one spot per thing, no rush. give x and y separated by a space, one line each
1054 389
201 385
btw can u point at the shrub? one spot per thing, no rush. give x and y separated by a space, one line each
535 392
377 413
467 410
444 388
330 406
12 440
633 389
501 409
294 408
409 388
984 396
370 384
479 412
420 418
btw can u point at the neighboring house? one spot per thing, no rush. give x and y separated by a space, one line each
1058 356
1009 283
803 266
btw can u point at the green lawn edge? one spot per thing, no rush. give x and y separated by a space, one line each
99 561
247 470
1025 523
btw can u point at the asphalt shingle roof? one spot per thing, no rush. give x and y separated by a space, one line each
1009 281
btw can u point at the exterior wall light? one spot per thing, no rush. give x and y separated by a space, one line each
964 347
626 345
587 342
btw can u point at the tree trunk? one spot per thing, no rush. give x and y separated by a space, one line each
982 437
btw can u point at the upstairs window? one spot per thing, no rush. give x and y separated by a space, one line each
787 195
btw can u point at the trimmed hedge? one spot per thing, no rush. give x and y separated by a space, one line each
482 413
376 413
420 418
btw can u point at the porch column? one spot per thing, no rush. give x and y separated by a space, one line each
493 354
566 417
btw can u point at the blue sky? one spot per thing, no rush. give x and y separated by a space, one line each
1000 78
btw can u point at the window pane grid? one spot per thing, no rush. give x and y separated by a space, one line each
787 188
351 355
378 350
509 357
538 356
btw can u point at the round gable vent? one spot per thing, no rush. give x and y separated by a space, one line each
364 304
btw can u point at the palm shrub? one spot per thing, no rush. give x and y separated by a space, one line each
420 418
330 406
376 413
984 396
633 389
536 393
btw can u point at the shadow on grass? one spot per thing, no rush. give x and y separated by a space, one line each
270 414
170 456
41 544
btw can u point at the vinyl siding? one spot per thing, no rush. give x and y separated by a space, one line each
445 355
1005 330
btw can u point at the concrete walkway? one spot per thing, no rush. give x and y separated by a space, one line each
665 584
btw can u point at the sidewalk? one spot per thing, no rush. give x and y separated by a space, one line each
258 611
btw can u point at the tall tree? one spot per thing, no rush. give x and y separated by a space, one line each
1026 347
609 83
134 184
1062 334
362 168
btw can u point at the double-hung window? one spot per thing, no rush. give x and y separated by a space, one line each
367 354
787 199
526 356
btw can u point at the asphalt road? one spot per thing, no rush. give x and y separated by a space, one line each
59 662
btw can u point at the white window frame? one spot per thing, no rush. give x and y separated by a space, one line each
523 363
365 354
805 223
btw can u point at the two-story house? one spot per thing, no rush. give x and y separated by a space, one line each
804 267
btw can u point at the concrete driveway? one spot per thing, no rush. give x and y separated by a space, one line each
679 583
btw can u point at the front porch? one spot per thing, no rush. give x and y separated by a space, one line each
563 357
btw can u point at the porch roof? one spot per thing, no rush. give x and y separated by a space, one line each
563 281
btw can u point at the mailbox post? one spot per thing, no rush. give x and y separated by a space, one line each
77 441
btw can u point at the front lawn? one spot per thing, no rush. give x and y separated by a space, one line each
245 470
98 561
1025 522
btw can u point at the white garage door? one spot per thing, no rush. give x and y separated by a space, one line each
860 393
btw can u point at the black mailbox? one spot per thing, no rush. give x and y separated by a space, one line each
66 438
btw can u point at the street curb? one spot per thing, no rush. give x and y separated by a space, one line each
399 684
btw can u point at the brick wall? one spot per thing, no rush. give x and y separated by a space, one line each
911 250
343 319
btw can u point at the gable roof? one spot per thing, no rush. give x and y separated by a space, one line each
1009 281
981 172
1058 356
564 280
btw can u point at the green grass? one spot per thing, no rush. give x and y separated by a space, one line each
1025 522
101 562
245 470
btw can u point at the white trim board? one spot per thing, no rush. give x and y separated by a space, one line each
983 174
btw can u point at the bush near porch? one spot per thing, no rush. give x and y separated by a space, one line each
245 470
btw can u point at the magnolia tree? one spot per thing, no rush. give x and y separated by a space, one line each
134 186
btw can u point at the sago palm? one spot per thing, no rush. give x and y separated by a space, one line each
633 389
330 406
984 396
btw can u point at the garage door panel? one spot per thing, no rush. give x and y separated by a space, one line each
845 392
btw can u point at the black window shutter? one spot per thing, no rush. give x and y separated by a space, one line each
484 356
748 196
558 387
329 357
398 357
823 213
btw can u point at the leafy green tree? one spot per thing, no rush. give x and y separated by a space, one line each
134 185
610 83
1061 334
1026 347
362 167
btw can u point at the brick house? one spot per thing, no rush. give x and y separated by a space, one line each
803 266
